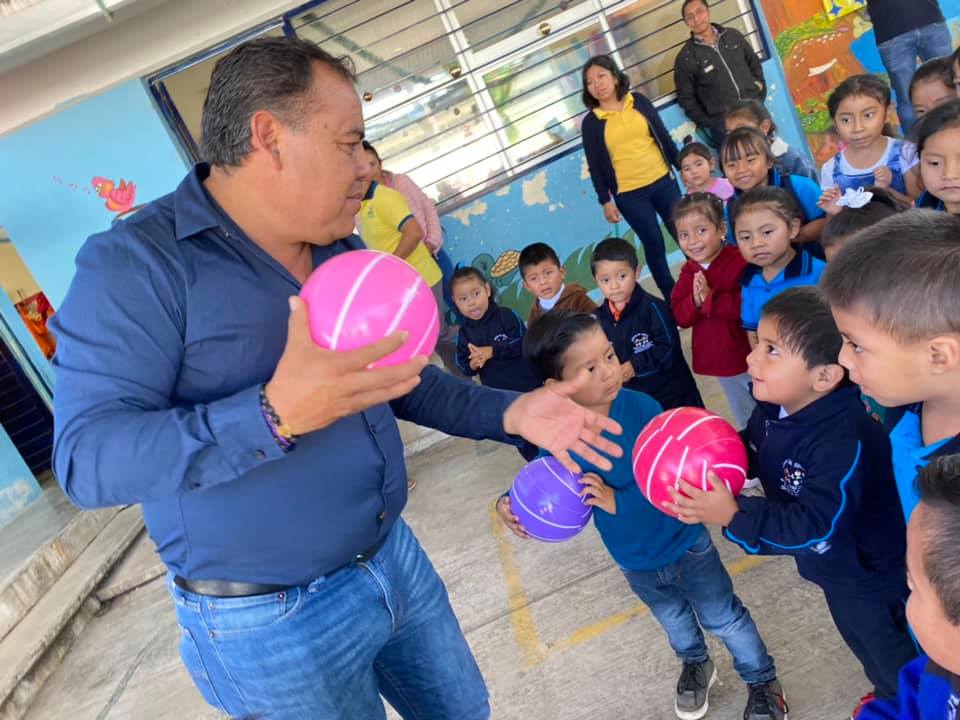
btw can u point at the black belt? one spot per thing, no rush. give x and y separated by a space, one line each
228 588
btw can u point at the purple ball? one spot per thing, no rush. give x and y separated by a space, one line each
546 498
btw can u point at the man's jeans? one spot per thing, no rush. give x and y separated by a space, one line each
327 650
698 587
899 55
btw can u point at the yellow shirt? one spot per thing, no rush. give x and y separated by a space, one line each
636 156
382 215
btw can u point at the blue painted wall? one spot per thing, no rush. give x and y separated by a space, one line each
49 207
18 488
556 204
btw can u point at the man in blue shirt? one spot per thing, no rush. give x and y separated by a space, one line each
271 471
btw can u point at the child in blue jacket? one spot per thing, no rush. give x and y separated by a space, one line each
830 498
930 685
673 568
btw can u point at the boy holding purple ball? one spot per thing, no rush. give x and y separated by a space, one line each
673 568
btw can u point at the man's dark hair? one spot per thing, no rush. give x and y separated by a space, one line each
267 73
852 220
686 3
939 487
902 273
371 149
549 338
805 325
619 76
614 249
534 255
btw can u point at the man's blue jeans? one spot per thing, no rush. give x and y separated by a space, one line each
899 55
697 587
328 650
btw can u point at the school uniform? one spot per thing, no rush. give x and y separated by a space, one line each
756 292
909 452
831 502
926 692
645 334
501 329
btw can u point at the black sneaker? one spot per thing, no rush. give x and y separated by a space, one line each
766 702
693 690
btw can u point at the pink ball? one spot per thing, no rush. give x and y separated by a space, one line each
682 444
361 296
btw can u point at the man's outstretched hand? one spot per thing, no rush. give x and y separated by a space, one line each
549 419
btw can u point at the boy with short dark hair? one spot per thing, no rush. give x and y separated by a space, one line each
830 500
543 277
930 685
674 568
895 292
641 328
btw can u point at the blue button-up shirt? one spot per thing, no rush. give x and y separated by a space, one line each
172 322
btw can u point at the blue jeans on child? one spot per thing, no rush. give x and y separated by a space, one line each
327 650
640 208
696 588
899 56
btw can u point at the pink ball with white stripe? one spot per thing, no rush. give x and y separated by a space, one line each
682 444
361 296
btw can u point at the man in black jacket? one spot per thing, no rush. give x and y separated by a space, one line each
714 69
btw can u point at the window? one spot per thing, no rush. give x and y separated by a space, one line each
464 95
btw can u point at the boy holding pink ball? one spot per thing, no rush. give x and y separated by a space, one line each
829 495
672 567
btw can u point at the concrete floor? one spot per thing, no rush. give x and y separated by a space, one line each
555 629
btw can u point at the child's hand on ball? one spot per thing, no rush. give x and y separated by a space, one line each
598 493
509 519
692 505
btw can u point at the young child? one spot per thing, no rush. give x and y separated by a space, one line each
641 328
931 85
856 210
766 223
860 107
707 299
749 163
672 567
753 113
829 496
490 341
901 329
938 147
543 277
930 685
696 171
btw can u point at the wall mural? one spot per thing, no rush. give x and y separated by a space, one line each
119 197
821 43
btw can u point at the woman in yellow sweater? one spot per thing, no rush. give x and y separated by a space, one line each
630 154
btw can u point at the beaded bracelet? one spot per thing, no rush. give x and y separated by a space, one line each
281 431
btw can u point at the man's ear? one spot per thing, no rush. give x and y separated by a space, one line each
943 353
826 377
265 133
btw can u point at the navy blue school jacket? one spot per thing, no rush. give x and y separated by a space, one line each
646 336
926 692
831 500
501 329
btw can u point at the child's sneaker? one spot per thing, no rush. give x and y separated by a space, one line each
693 690
864 701
766 702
